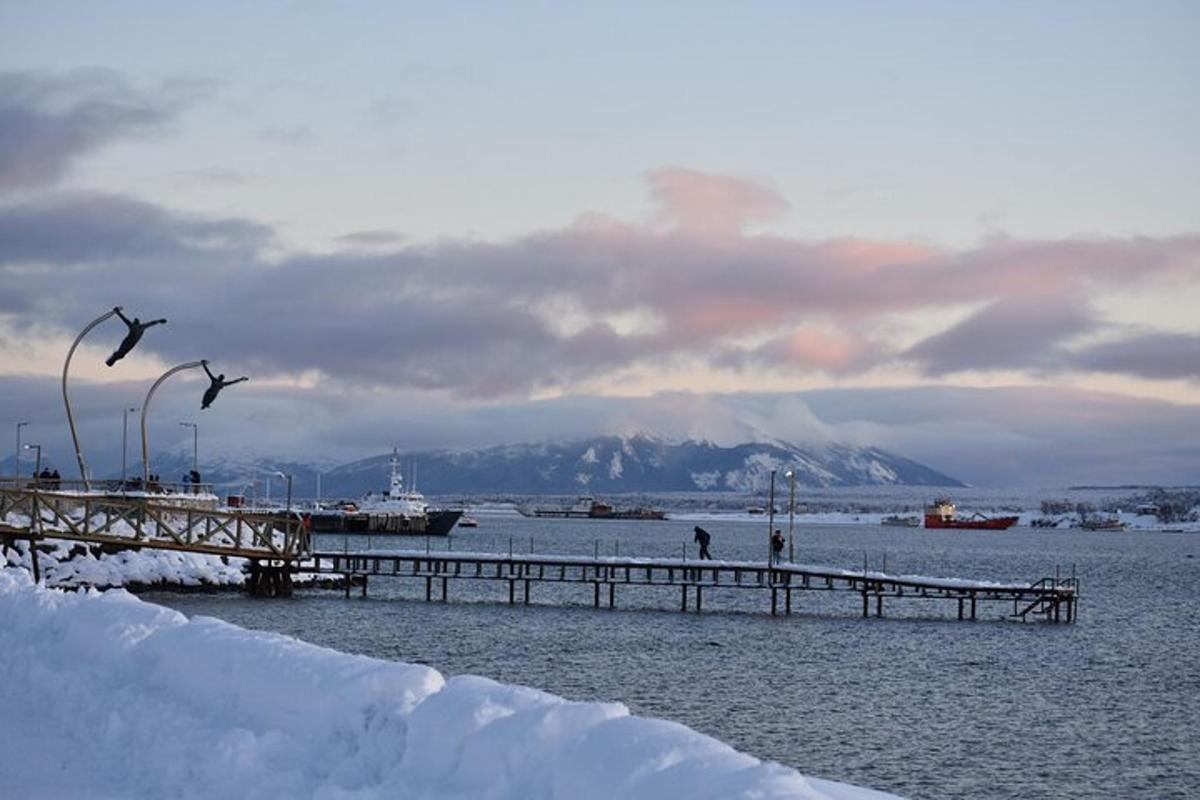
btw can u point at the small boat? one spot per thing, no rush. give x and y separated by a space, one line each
590 508
897 521
1103 524
466 521
941 515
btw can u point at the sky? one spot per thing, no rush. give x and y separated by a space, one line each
968 233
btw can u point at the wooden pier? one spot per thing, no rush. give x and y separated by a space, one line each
271 541
1053 599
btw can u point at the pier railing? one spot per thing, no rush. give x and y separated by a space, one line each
34 513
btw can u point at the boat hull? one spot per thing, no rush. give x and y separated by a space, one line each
993 524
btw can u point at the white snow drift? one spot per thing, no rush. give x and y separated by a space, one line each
105 696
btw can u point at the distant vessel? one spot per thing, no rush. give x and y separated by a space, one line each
396 511
1103 524
941 515
467 521
590 508
897 521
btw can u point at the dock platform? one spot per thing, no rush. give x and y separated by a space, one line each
1053 599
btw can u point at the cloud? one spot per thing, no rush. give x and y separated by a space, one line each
287 134
48 120
218 176
1014 333
705 204
373 238
552 311
1156 356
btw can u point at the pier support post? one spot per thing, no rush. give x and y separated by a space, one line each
699 598
364 586
774 599
445 587
526 591
33 560
787 594
960 608
612 594
879 605
512 591
972 605
346 578
428 588
866 611
683 603
595 594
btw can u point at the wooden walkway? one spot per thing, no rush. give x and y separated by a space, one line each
271 541
1054 599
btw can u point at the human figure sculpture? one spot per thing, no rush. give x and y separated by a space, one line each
136 329
218 383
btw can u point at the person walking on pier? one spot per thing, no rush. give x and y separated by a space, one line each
777 546
703 538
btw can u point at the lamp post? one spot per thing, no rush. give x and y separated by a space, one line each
125 412
791 476
771 520
17 461
146 407
37 466
67 400
288 477
195 442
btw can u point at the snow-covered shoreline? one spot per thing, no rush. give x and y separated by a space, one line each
108 696
70 564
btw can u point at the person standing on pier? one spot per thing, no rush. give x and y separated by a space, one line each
777 546
703 538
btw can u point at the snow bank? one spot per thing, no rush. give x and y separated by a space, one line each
76 564
106 696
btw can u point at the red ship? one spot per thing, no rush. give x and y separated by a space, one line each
941 515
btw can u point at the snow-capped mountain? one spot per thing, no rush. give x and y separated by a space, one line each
615 464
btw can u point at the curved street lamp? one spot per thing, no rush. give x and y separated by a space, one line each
146 407
67 400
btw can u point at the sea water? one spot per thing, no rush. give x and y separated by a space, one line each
917 702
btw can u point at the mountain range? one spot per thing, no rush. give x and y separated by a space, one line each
597 465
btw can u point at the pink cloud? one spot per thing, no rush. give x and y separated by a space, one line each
711 205
474 311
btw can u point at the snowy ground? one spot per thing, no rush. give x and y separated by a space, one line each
106 696
75 564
